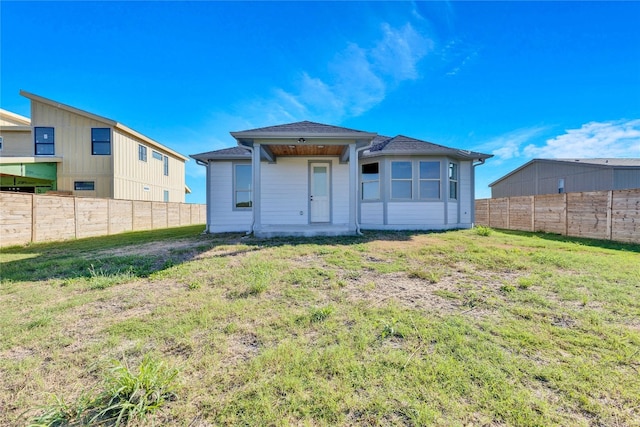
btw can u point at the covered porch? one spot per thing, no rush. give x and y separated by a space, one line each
305 180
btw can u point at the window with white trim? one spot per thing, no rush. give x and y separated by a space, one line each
166 166
453 181
370 177
430 180
45 141
156 155
401 180
242 181
166 195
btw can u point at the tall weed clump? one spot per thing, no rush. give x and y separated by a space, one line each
127 396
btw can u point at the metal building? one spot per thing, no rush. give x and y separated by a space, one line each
552 176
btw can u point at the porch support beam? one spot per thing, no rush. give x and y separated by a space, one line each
257 220
346 151
268 154
353 186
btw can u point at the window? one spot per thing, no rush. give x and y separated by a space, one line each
101 141
401 177
453 181
166 195
142 153
84 185
370 181
156 155
242 186
1 141
45 141
561 185
429 180
166 166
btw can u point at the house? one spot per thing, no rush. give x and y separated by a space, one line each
309 178
552 176
71 151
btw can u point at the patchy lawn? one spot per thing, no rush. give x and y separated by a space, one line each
453 328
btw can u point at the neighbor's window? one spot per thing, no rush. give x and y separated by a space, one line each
401 177
453 181
84 185
166 195
100 141
1 141
429 180
370 181
561 185
44 141
156 155
242 186
166 166
142 152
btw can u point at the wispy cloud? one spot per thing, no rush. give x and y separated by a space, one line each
620 138
358 79
507 146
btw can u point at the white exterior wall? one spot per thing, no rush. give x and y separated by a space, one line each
222 217
284 192
371 213
284 188
415 213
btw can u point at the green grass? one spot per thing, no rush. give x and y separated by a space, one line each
471 327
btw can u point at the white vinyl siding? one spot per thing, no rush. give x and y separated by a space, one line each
372 213
284 189
222 216
419 213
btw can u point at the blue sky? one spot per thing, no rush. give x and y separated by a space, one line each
519 80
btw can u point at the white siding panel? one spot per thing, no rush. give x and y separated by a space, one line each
284 188
411 213
371 213
466 193
222 216
452 213
340 181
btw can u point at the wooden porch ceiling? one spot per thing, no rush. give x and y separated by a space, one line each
306 150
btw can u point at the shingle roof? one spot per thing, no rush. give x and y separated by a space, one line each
302 128
401 144
225 153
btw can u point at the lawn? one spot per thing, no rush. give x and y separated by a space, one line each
455 328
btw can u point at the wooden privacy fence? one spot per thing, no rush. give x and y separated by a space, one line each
607 215
26 218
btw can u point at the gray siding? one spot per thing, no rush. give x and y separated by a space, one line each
543 178
626 179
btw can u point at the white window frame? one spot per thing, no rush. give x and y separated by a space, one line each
236 190
438 180
454 179
369 181
392 179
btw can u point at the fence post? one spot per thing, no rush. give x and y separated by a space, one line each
533 213
508 213
566 214
609 214
33 218
75 217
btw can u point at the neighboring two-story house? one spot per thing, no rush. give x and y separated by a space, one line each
68 150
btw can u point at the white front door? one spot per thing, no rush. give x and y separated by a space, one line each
320 193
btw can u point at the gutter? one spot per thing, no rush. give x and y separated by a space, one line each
358 150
